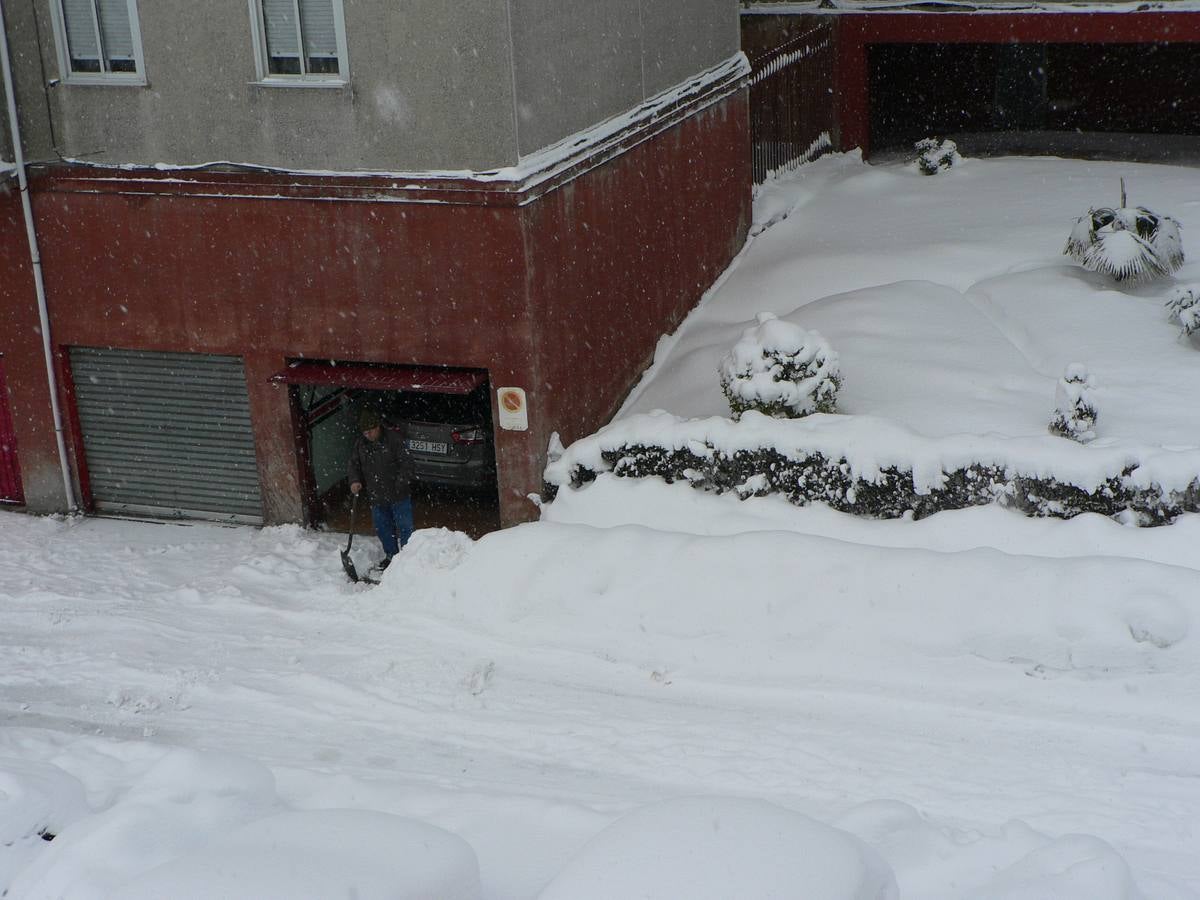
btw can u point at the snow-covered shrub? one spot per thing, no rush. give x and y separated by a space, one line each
935 155
781 370
1184 306
1075 413
1126 243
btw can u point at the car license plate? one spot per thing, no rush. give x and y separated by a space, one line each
427 446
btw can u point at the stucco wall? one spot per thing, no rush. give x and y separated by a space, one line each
433 85
578 62
430 88
21 23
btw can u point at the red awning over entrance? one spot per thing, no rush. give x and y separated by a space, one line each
430 379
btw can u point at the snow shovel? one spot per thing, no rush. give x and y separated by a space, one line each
347 562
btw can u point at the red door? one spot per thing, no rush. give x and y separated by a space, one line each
10 473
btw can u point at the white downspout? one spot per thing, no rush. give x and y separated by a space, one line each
35 259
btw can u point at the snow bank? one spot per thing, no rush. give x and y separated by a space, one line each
316 855
202 825
714 848
776 609
1012 863
37 800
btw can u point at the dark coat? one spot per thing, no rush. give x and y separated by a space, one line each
384 467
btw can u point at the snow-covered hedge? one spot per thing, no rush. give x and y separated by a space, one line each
780 370
869 467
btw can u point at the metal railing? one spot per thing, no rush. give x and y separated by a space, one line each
791 102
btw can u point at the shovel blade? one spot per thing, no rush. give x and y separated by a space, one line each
348 565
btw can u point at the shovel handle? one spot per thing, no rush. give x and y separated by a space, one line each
353 509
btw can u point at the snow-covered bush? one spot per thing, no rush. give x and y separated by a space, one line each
934 155
1126 243
780 370
1075 413
1184 306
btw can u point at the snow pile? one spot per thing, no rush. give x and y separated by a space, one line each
37 800
315 855
781 370
203 825
714 848
1020 863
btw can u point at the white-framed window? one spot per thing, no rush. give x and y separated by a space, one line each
300 41
99 41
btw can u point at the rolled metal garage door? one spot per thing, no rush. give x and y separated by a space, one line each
167 434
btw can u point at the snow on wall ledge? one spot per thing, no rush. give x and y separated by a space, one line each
874 467
702 89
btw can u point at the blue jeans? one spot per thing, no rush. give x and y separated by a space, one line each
392 521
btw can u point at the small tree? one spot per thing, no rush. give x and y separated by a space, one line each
1184 306
934 155
1126 243
781 370
1075 417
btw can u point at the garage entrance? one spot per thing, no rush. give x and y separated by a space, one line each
166 434
10 472
444 414
1105 100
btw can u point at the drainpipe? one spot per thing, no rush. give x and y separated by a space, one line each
35 259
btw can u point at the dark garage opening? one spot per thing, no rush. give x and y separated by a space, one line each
445 415
1122 101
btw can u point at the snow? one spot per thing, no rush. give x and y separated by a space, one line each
708 848
660 690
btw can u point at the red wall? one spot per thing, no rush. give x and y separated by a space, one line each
624 254
564 293
269 279
24 362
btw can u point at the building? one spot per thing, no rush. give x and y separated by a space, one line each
1105 79
255 215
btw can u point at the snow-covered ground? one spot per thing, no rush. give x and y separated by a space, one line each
655 691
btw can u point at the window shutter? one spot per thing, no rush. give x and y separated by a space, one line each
115 30
279 16
81 29
320 35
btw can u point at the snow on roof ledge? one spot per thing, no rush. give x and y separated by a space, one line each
531 169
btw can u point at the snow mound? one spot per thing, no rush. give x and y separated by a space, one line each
431 550
720 847
37 800
315 855
173 809
1014 862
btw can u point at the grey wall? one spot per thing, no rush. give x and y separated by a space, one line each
468 84
429 89
579 62
21 21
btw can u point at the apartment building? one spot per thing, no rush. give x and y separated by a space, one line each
256 216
